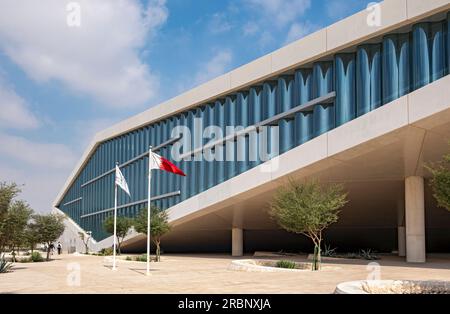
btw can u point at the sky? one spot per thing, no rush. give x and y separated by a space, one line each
69 69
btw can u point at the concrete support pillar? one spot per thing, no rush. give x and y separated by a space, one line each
401 230
237 242
415 219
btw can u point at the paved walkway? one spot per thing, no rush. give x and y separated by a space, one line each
199 274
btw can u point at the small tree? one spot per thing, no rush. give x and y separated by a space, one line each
85 240
159 226
31 236
15 222
8 191
308 208
123 226
440 181
50 228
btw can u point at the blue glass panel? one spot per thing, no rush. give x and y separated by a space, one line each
164 174
230 147
345 87
437 46
198 142
303 94
184 163
368 78
323 116
255 116
285 100
243 141
209 115
421 55
219 119
268 102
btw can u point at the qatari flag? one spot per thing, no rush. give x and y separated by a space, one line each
159 162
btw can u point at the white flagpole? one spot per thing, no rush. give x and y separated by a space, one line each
149 208
115 221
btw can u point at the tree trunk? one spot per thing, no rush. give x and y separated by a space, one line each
48 252
118 246
158 251
13 254
317 256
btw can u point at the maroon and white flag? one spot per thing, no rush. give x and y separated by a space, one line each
159 162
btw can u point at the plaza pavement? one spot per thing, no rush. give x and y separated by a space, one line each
198 273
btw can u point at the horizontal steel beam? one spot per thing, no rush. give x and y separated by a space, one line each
73 201
155 198
154 149
290 114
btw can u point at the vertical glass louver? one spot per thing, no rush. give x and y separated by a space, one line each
303 94
345 102
323 114
368 78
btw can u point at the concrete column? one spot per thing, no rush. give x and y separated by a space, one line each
237 242
401 230
415 219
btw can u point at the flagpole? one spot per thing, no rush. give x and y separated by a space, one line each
149 207
115 220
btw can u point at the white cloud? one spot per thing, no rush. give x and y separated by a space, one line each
156 13
281 12
14 110
100 58
40 154
299 30
39 186
219 24
250 28
216 66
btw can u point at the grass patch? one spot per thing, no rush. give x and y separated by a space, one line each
286 264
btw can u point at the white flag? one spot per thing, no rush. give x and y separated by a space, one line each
121 182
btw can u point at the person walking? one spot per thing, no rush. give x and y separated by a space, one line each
59 248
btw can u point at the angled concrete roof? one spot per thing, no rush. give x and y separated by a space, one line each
343 34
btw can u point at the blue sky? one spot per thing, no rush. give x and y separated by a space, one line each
59 84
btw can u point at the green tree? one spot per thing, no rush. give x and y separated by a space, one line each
440 181
308 208
15 222
159 226
31 236
85 239
49 227
123 226
8 191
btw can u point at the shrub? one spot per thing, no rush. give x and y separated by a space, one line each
328 251
141 258
4 265
368 255
36 257
106 252
128 258
286 264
